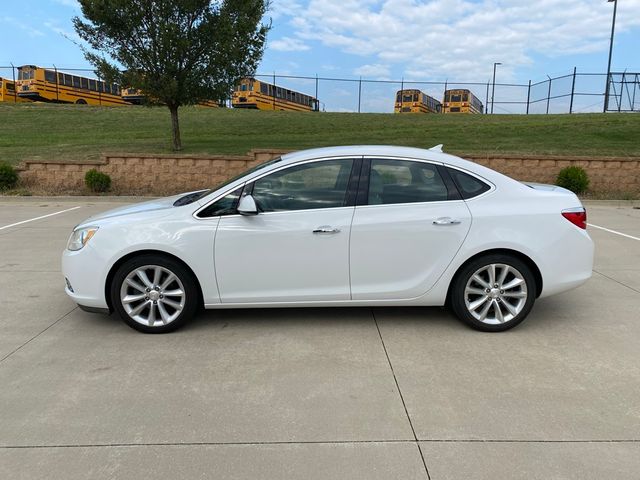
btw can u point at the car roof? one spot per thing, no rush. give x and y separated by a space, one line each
435 155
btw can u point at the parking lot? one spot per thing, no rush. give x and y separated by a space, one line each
378 393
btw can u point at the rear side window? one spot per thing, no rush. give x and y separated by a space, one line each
404 181
468 186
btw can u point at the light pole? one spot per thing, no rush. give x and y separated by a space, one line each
493 84
613 28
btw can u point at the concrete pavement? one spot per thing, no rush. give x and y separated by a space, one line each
315 393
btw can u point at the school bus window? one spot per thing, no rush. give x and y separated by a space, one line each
92 85
50 76
465 98
68 80
263 89
243 87
76 82
61 78
455 98
84 83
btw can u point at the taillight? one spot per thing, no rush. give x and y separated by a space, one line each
577 216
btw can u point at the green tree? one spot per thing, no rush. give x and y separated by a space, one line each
178 52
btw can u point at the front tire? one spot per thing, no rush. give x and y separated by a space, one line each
493 293
154 294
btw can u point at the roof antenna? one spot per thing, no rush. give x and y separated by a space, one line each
437 148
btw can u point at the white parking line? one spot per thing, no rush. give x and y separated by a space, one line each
38 218
613 231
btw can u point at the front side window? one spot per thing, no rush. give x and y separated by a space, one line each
404 181
224 206
302 187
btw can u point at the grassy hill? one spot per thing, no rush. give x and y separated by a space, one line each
70 132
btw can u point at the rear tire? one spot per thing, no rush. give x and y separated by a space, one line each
493 293
154 294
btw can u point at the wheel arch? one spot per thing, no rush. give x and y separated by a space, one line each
128 256
501 251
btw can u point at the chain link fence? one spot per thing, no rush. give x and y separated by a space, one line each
576 92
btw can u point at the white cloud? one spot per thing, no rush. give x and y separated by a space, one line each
460 39
28 29
288 44
68 3
376 70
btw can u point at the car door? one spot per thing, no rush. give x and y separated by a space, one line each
296 249
407 227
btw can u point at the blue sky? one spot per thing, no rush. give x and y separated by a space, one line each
428 40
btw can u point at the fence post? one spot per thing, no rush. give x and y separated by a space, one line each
486 100
622 85
528 96
635 84
359 93
548 94
275 91
55 69
573 89
15 87
444 94
317 91
401 94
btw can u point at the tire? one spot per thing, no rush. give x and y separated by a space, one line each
157 302
486 307
81 102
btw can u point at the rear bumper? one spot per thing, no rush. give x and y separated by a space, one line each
569 264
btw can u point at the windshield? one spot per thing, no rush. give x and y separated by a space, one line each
192 197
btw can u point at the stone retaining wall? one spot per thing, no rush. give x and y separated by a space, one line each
164 174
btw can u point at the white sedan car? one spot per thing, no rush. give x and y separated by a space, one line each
340 226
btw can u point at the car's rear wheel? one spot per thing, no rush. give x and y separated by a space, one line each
493 293
154 294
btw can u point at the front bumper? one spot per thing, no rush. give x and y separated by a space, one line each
84 271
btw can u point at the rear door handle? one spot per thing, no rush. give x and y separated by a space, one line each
446 221
326 229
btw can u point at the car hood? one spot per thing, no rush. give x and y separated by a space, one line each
164 203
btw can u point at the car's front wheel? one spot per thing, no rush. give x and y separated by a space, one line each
493 293
154 294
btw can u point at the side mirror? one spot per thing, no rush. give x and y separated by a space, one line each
247 206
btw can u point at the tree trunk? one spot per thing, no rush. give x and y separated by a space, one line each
175 128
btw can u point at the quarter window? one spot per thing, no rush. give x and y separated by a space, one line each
224 206
312 185
468 186
405 181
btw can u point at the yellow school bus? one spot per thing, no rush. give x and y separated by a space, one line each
415 101
461 101
35 83
137 97
8 92
252 93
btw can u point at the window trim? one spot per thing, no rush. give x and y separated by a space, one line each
357 159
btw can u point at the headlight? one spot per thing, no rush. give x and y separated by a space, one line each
80 237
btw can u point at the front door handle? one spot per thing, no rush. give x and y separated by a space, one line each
446 221
326 229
